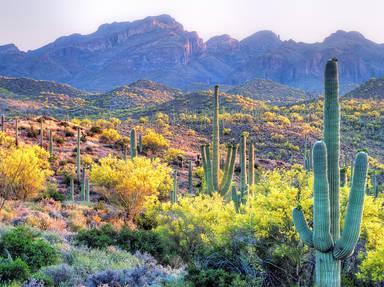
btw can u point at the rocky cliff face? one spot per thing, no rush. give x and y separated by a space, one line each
159 49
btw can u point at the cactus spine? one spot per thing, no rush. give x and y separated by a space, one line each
78 155
133 144
175 188
330 247
190 183
212 167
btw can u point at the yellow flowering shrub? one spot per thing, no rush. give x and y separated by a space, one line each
23 172
127 184
154 141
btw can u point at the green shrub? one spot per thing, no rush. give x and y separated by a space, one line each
215 277
20 242
144 241
13 270
97 238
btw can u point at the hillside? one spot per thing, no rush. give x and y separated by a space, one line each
139 94
30 87
160 49
269 91
372 89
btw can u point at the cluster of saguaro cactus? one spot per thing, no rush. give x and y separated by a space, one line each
330 246
212 167
175 188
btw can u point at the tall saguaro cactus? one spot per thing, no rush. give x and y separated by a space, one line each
330 247
50 145
212 167
78 156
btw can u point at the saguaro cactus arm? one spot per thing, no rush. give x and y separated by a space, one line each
302 226
322 239
209 169
346 244
228 180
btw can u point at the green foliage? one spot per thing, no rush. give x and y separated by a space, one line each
13 270
215 277
126 239
21 242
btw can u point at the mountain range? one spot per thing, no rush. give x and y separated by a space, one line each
159 49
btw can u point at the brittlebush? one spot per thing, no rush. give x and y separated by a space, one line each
23 172
128 184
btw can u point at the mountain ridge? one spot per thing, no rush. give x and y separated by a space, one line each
158 48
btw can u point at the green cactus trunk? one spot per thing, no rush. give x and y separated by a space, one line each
78 156
175 188
216 140
243 164
133 144
251 165
50 145
330 247
87 192
190 183
16 132
83 185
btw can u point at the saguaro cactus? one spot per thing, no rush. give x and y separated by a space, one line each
175 188
375 186
212 167
78 156
330 247
133 144
50 145
243 164
83 184
251 164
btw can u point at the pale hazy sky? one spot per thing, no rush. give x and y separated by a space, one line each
32 23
